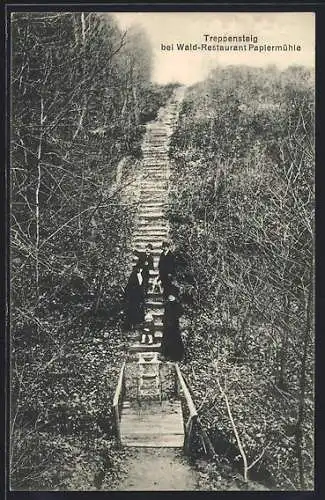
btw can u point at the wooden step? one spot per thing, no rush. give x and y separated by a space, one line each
148 154
161 196
156 304
151 183
148 170
160 167
155 192
142 241
152 204
149 232
149 218
154 296
152 225
149 214
149 375
156 312
138 347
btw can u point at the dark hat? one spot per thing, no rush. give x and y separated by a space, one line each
149 246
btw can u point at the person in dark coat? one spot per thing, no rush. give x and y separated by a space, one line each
134 298
172 347
166 267
146 262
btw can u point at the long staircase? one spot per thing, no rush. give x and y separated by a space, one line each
147 403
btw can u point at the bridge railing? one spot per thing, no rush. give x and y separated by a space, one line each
193 418
117 403
191 408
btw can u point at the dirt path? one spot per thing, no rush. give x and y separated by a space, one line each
157 469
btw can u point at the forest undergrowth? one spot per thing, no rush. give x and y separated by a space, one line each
241 209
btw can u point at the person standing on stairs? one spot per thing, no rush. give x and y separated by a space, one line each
134 297
146 262
166 267
172 347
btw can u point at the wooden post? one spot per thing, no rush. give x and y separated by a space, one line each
188 435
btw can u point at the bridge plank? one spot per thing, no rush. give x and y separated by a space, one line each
153 424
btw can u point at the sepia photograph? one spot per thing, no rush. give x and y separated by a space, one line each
162 194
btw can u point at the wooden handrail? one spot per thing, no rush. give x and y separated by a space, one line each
186 392
116 401
193 413
193 417
119 386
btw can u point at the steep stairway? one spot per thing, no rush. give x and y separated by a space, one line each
151 415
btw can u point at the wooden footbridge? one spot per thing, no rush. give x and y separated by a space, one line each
152 401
